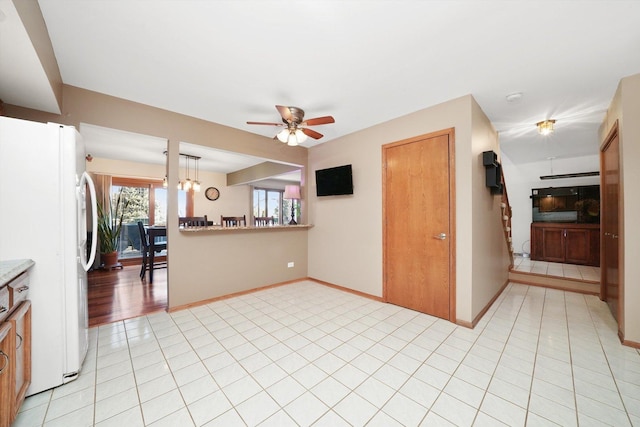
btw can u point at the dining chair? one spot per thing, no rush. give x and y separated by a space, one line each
193 221
144 240
233 221
262 221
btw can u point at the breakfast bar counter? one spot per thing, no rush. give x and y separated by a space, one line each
217 228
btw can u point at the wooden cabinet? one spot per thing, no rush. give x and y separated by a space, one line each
566 243
6 375
20 359
15 344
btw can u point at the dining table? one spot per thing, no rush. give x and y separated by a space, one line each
155 244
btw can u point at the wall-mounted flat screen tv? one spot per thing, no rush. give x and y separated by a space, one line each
334 181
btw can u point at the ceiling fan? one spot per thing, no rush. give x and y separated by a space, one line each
295 130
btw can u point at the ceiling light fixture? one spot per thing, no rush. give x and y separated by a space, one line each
187 184
545 127
291 136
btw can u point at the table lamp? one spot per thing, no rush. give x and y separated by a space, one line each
292 192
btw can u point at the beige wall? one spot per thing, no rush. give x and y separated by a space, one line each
188 283
490 252
234 200
123 168
625 107
216 263
345 244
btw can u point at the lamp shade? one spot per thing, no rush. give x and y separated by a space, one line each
283 135
291 192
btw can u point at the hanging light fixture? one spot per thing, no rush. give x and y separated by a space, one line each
545 127
187 184
196 183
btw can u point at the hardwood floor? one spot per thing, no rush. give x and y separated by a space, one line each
120 294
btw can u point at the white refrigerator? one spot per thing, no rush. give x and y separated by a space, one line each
44 192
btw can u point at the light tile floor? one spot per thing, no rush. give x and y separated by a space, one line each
305 354
570 271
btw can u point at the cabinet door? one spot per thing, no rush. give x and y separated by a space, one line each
553 244
6 374
578 246
20 321
536 243
594 258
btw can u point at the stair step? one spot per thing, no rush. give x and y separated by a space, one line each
563 283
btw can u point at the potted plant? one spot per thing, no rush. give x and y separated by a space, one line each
110 217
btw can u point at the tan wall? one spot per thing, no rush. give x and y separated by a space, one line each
625 107
186 279
490 252
219 263
234 200
125 168
345 244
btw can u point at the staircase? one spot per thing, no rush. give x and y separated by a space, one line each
506 219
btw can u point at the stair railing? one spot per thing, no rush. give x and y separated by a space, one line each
506 219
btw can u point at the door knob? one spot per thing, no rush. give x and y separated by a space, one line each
440 236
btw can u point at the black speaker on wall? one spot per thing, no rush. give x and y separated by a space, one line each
489 158
493 172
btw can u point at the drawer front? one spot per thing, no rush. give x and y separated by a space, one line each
18 289
4 303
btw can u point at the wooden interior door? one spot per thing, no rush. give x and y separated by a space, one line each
610 290
418 224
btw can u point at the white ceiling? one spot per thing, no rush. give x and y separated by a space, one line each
364 62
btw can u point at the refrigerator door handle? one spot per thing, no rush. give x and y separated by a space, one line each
86 264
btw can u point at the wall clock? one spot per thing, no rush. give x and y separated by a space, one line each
212 193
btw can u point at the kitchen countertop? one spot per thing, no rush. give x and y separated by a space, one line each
218 228
11 269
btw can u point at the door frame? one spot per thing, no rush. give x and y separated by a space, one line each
613 133
450 132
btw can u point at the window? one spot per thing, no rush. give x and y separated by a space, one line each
269 202
147 203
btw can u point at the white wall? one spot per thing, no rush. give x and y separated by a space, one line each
521 179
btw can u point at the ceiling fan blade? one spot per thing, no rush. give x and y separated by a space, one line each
325 120
284 112
312 133
265 123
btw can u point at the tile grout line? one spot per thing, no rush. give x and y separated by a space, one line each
613 376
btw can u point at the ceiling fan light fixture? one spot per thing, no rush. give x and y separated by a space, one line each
292 141
302 137
283 135
545 127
